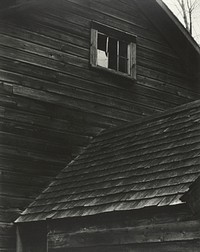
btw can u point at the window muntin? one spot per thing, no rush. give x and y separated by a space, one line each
113 50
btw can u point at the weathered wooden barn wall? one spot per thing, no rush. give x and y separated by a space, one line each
52 102
172 229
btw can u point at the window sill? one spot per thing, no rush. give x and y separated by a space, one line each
111 71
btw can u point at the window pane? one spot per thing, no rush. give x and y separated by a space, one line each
102 58
123 65
102 54
112 56
112 53
123 49
102 42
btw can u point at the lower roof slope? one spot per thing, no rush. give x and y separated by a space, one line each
149 163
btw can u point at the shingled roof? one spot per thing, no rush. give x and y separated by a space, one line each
149 163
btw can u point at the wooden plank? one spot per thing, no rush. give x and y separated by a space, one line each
192 197
171 80
135 108
23 179
115 21
71 102
172 92
35 144
20 191
50 37
39 61
37 119
93 47
93 97
145 96
144 110
170 61
19 243
170 232
7 242
13 202
33 237
49 55
20 164
34 156
121 11
7 216
57 23
67 14
156 47
33 70
142 71
181 246
44 145
124 8
60 137
160 79
6 228
49 52
143 61
125 26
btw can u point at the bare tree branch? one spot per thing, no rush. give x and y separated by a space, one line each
186 8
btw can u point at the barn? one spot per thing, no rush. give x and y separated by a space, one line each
71 69
134 188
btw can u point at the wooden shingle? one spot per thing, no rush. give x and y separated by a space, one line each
149 163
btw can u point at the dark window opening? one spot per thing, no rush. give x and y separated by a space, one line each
113 52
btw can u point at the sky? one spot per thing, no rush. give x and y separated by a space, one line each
172 4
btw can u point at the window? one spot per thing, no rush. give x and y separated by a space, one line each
113 50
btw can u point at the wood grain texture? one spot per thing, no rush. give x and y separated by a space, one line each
148 164
52 103
154 230
161 247
139 235
169 229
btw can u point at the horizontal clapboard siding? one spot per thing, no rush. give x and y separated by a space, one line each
164 232
52 103
173 229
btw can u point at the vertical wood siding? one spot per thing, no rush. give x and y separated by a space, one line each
52 103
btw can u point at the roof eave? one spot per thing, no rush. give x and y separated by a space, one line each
174 34
179 26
